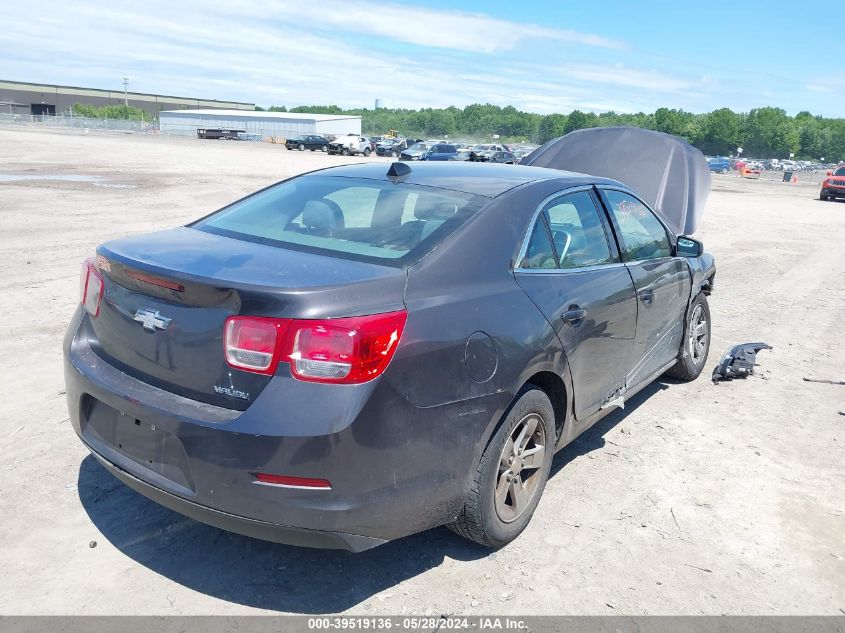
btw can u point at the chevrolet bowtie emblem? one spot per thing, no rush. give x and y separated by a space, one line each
152 320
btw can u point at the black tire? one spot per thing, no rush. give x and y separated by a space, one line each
825 198
481 519
301 147
367 152
324 148
344 151
689 367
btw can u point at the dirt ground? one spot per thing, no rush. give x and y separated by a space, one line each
695 499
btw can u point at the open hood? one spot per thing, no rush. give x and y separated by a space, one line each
669 173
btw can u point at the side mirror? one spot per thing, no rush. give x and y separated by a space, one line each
829 172
689 247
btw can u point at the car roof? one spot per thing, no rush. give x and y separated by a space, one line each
483 179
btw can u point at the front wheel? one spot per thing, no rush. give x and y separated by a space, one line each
367 152
301 147
509 480
324 148
344 152
696 343
823 197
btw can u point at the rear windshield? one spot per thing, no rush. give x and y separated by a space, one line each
370 220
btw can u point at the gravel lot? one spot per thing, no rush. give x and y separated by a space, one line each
694 499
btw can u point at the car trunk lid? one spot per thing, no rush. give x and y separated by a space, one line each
167 296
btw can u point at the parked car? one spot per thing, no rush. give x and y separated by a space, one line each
307 368
393 146
415 152
350 145
440 151
503 157
833 186
307 141
719 164
483 152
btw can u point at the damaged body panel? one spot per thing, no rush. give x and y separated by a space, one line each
738 361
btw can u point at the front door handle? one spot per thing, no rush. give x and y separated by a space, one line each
574 315
647 296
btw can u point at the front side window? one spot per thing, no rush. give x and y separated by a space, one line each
840 172
642 236
359 218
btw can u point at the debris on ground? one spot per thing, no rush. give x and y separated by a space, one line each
824 381
738 361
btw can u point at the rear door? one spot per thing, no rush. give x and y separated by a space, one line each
571 270
662 282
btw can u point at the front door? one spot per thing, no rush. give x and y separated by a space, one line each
662 283
570 272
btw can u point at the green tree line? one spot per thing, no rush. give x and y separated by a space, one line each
762 132
109 112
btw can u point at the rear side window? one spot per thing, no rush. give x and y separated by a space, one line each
577 231
642 236
539 253
357 218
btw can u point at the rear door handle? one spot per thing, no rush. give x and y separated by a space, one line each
574 315
647 296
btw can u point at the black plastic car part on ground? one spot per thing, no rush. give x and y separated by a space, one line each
287 366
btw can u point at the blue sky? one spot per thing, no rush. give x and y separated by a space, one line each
541 56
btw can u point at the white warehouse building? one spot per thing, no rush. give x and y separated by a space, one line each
267 124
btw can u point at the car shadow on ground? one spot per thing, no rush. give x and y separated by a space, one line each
277 577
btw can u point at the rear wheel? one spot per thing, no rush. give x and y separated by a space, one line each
509 480
696 343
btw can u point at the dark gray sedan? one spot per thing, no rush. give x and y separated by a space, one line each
364 352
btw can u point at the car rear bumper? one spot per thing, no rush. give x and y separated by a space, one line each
394 469
242 525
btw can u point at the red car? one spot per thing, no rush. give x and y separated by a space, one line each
833 186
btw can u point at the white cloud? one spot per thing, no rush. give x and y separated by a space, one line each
458 30
347 53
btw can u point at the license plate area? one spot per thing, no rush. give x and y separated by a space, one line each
141 442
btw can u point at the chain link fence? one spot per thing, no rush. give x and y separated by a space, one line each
68 121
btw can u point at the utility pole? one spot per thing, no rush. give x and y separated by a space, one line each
125 84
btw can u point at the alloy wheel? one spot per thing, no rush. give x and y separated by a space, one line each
698 333
519 477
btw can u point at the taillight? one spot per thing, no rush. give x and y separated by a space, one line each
254 343
90 287
347 350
